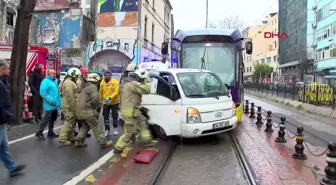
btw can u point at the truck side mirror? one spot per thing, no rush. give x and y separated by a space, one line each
248 47
173 93
164 48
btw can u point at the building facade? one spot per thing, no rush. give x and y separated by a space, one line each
129 31
296 53
325 41
8 14
64 29
265 50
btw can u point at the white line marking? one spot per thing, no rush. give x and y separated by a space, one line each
29 136
90 169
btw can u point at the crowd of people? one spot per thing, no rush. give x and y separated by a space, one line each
80 98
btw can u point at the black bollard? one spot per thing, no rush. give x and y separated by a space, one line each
299 148
269 122
281 134
330 169
246 107
252 111
259 117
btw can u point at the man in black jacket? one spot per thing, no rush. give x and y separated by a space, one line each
35 79
6 116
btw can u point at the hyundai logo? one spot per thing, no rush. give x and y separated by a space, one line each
218 115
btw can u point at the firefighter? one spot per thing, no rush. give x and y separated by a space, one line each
80 82
87 104
69 90
109 97
136 85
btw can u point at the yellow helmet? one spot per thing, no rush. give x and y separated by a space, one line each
93 77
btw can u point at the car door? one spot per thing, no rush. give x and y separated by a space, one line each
163 110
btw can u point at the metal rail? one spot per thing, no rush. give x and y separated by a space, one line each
247 170
160 172
243 162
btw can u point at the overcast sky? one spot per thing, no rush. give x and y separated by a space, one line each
191 13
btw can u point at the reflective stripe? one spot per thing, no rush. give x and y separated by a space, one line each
299 137
329 159
282 125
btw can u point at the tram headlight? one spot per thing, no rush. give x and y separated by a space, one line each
193 116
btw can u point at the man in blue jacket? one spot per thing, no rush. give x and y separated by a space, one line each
51 103
6 116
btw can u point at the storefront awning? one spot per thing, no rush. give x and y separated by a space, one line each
325 64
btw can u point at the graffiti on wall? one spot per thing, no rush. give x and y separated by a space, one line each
112 53
117 13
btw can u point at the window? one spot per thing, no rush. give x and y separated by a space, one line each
10 18
49 36
201 85
333 52
153 5
219 58
145 27
269 59
275 44
270 48
87 2
275 59
164 84
153 32
262 61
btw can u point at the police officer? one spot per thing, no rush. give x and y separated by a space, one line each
137 84
69 91
87 104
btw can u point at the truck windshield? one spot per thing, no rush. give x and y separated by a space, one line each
201 85
216 57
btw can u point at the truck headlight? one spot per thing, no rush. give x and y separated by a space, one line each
193 116
233 109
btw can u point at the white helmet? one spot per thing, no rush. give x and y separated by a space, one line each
142 73
93 77
73 72
131 67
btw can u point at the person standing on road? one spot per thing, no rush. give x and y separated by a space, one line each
137 84
87 104
80 83
34 80
6 116
51 104
109 97
69 92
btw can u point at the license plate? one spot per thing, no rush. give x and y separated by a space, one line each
220 125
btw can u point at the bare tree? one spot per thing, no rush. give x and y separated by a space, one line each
211 25
232 23
19 55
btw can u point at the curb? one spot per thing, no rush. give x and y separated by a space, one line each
320 111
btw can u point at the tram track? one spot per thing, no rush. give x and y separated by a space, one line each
243 163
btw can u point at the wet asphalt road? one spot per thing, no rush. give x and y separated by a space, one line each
50 163
207 160
318 131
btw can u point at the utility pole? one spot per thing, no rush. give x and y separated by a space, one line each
19 56
139 42
207 14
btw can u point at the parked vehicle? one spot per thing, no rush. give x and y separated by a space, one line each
189 103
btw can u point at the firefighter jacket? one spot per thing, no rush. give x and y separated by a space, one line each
69 91
87 101
131 97
80 83
109 89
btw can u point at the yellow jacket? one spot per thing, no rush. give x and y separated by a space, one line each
109 89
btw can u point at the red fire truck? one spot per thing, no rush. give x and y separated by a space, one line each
35 54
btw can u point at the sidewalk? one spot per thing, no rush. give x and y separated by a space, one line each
315 109
272 162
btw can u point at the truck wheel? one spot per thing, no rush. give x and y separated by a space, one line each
160 133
